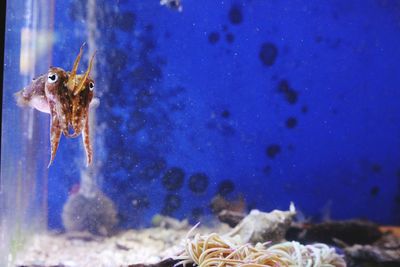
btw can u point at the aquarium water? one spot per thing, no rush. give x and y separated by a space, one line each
244 104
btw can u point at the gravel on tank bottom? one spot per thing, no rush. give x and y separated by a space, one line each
130 247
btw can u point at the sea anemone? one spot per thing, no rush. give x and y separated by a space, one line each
216 250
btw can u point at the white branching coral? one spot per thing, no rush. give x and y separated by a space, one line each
221 251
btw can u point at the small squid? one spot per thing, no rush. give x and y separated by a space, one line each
66 96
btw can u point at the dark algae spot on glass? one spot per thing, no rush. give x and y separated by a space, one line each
235 15
318 39
126 21
120 59
173 179
171 203
229 37
227 130
198 183
273 150
225 187
213 37
225 114
374 191
152 169
291 122
149 27
290 94
267 170
268 54
376 168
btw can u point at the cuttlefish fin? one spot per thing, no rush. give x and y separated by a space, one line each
55 132
86 142
71 78
79 88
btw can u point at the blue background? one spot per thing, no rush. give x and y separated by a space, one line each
317 121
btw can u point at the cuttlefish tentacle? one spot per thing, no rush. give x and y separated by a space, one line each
62 109
75 118
86 142
71 80
79 88
59 96
77 84
80 107
79 112
55 132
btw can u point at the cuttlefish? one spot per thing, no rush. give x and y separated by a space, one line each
66 96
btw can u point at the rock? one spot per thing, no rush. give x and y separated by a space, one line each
165 263
169 222
232 218
349 232
94 214
220 203
384 252
263 227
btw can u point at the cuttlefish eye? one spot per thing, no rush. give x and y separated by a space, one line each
91 86
52 77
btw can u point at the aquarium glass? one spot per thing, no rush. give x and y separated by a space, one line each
248 104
